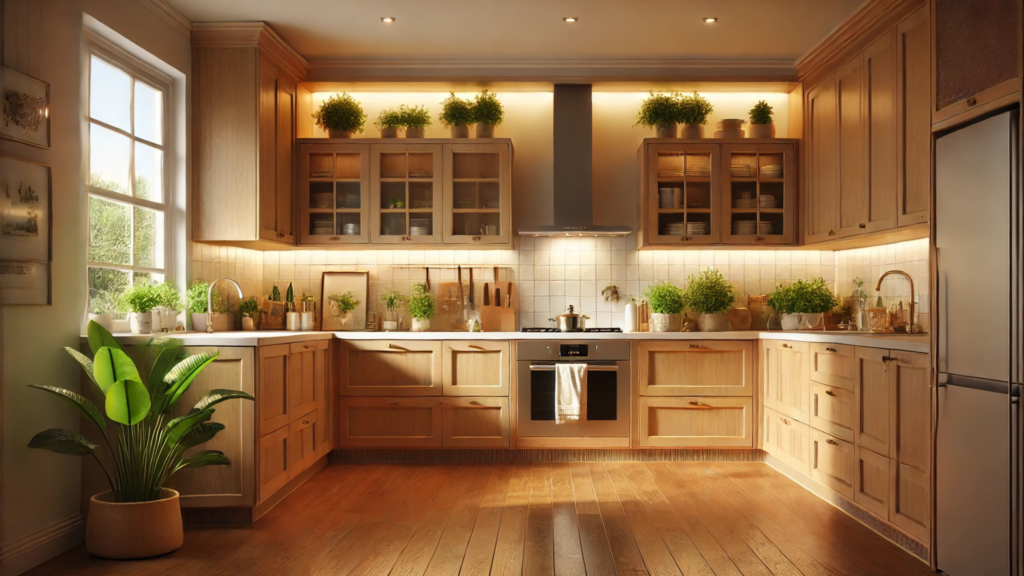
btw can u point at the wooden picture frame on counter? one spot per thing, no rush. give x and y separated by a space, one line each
358 283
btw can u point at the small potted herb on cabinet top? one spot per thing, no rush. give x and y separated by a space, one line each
694 112
487 113
421 307
710 295
389 121
415 119
456 114
761 125
667 302
661 112
801 304
341 116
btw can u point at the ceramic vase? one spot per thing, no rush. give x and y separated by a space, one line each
142 322
417 132
790 321
199 322
106 320
420 324
718 322
691 131
485 130
390 132
293 321
661 322
248 323
665 130
761 130
460 131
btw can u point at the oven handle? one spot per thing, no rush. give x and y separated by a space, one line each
590 368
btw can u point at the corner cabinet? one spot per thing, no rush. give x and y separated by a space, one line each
405 192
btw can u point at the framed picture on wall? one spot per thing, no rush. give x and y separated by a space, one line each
26 113
343 303
24 283
25 215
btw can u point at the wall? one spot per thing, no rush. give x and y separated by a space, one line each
41 489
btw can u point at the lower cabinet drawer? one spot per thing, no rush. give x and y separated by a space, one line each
833 462
909 499
390 422
302 443
871 482
273 459
788 440
475 422
696 421
833 410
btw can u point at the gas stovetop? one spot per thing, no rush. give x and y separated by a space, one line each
552 330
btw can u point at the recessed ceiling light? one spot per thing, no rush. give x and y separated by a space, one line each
710 19
387 19
570 19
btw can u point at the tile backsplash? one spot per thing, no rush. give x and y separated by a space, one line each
552 273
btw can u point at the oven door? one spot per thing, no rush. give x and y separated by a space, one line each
607 401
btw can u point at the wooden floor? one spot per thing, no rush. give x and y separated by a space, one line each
567 519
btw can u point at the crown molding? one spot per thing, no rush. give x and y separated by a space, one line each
171 15
250 35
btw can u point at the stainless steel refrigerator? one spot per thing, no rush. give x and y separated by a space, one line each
978 240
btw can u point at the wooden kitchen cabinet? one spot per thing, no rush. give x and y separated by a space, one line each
680 193
274 459
833 364
910 499
872 400
481 422
405 193
913 121
334 194
787 382
302 443
696 368
877 207
833 410
788 440
244 91
381 368
478 193
696 421
910 442
397 422
758 185
272 393
833 462
307 370
476 368
871 482
821 167
852 137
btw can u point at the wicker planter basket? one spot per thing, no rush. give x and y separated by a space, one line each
126 530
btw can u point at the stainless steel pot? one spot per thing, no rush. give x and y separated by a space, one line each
570 322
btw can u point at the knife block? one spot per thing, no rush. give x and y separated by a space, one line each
495 317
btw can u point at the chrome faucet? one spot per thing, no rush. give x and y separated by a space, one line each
209 301
910 326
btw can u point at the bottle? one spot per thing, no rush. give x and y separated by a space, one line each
630 324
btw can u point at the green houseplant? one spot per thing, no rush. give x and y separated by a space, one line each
389 121
147 439
392 300
710 295
487 113
165 315
456 114
139 300
421 307
801 302
341 115
761 125
415 119
661 112
250 310
196 300
342 306
667 301
694 112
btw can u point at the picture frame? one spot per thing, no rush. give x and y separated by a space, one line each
24 283
358 283
26 215
25 116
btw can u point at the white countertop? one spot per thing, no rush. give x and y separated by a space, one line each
903 342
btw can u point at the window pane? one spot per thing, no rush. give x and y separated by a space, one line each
148 278
149 170
148 247
110 95
105 286
148 113
109 159
109 232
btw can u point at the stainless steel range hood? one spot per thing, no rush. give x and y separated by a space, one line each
573 164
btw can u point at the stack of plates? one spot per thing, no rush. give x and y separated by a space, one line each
321 200
350 229
674 229
767 201
328 173
420 174
671 174
697 228
751 228
350 200
322 228
419 227
771 171
746 203
698 171
741 171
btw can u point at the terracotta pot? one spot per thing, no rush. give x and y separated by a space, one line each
761 130
142 322
666 130
691 131
127 530
485 130
341 133
391 132
713 322
460 131
417 132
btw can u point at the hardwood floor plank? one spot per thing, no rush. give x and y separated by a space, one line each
624 550
597 554
480 550
508 549
538 552
451 544
567 548
655 554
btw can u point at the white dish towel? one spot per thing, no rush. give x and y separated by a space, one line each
570 392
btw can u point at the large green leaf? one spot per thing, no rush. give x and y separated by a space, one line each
87 367
217 396
200 434
78 401
63 442
127 402
99 337
205 458
182 425
165 354
183 374
113 365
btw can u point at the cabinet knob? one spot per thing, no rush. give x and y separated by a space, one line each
972 101
687 238
786 345
397 347
862 225
831 232
474 403
392 403
440 402
305 422
694 346
280 234
887 358
830 393
694 403
784 421
758 238
831 441
830 350
476 238
334 238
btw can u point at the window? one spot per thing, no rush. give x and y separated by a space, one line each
127 175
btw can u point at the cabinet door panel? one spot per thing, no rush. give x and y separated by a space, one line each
880 78
283 194
272 395
853 167
833 364
833 410
391 422
696 422
788 440
409 368
326 400
477 194
302 444
833 462
910 499
914 119
689 172
274 458
475 422
334 194
769 361
910 409
821 189
794 380
268 149
406 193
872 399
302 378
872 482
476 368
702 367
748 182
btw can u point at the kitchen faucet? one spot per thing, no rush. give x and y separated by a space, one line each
209 302
910 326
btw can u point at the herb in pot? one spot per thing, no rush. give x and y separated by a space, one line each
141 298
660 111
665 298
761 113
695 110
389 121
168 296
414 116
487 109
421 303
803 297
456 111
249 308
710 295
341 113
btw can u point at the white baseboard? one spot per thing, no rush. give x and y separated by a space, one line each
26 553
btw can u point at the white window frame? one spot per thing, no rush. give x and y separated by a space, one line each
99 47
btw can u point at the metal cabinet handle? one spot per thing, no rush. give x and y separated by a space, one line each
887 358
694 403
392 402
397 347
474 403
784 345
758 238
334 238
831 232
475 347
305 421
440 402
972 101
831 441
694 346
784 421
830 393
831 350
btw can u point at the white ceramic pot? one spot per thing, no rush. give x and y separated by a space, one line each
761 130
248 324
306 322
810 321
661 322
460 131
630 324
417 132
391 132
390 325
106 320
691 131
340 133
666 130
293 321
790 321
142 322
713 322
420 324
199 322
485 130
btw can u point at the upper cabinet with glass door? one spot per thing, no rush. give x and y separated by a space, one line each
334 194
759 192
681 194
478 194
405 193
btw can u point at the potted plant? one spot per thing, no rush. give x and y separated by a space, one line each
101 310
165 315
138 517
389 121
343 305
694 112
293 320
457 114
421 307
195 302
392 300
667 301
249 309
307 308
415 119
710 295
487 113
761 125
801 304
342 116
140 300
272 316
661 112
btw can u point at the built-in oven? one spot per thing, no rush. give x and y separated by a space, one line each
607 382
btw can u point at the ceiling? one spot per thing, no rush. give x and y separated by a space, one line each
773 31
